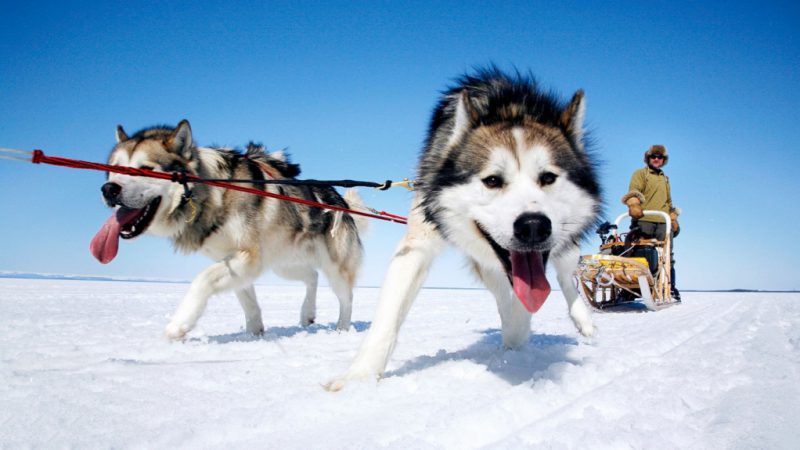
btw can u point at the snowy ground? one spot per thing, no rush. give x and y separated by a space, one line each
83 364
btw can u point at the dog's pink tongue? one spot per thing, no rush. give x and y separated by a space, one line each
530 283
105 243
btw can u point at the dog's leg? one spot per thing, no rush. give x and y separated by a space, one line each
239 270
514 318
309 277
343 288
405 276
308 313
252 313
565 263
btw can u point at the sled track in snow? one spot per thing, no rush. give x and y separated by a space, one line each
651 357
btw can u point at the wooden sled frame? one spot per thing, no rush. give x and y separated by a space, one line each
601 278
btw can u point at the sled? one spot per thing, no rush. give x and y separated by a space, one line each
627 275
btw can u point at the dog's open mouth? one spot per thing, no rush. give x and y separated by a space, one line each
125 223
525 271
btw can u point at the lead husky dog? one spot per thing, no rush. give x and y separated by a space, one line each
246 234
506 178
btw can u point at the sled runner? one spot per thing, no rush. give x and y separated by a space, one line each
627 269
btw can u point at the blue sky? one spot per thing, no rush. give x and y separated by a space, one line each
348 87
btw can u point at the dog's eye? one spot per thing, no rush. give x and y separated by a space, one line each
547 178
493 182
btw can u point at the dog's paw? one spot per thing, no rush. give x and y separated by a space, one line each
256 329
338 383
335 385
582 318
585 328
256 332
175 331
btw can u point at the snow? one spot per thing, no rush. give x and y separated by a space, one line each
84 364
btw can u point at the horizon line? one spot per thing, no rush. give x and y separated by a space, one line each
5 274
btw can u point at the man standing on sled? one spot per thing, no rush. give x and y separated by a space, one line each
649 190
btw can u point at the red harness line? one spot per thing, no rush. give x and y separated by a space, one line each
40 158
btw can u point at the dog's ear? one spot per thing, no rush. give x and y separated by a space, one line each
121 134
180 141
572 116
464 119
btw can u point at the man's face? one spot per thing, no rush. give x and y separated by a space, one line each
656 161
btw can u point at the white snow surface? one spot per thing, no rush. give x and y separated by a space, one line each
84 364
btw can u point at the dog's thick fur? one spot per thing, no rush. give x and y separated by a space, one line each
245 234
505 176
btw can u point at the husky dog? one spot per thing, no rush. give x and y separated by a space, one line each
245 234
505 177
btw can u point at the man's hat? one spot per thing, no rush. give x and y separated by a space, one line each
656 149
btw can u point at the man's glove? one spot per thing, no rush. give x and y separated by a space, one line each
634 201
676 228
635 209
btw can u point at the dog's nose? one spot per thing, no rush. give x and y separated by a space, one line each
111 193
532 228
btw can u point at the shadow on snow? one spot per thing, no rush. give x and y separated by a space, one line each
275 333
543 357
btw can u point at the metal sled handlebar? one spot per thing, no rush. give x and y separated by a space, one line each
647 212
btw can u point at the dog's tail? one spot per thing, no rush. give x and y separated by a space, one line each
345 235
355 202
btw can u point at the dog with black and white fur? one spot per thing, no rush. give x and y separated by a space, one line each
506 177
244 234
